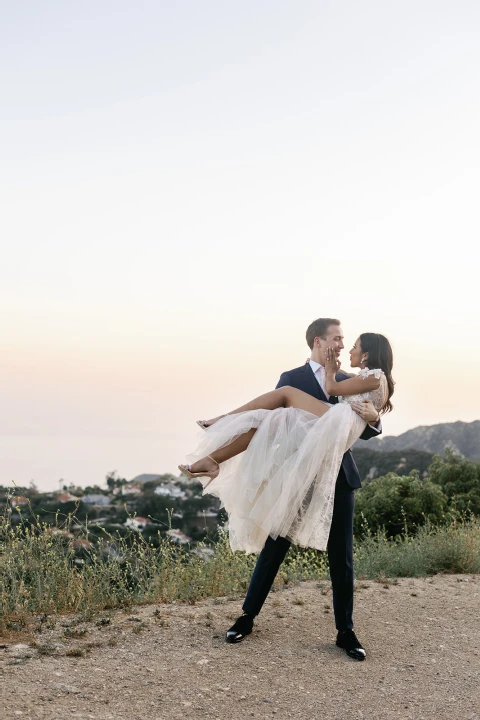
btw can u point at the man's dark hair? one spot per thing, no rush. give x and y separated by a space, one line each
318 328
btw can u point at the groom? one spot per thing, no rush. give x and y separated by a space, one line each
321 334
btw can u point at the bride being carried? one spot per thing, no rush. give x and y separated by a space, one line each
274 461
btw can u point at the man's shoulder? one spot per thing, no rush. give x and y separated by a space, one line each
296 371
296 377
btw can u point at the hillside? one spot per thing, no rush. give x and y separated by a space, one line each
373 463
461 436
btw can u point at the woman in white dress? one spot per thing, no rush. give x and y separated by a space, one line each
274 461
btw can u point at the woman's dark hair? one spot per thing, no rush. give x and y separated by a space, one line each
380 355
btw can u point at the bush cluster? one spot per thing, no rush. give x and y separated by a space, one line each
459 480
402 503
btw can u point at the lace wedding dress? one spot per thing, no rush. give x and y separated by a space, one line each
284 482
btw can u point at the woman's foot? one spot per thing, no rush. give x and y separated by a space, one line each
204 424
206 467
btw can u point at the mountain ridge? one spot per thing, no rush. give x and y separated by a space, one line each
461 436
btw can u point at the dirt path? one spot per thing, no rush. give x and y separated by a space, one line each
170 662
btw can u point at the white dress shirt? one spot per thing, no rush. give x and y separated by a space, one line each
320 375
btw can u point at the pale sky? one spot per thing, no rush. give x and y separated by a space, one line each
186 186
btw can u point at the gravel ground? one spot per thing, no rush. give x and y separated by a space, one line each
170 661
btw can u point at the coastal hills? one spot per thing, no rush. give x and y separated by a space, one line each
372 463
462 437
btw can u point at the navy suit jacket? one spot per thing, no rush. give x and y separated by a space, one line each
303 378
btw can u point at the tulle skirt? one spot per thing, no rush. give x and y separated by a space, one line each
284 482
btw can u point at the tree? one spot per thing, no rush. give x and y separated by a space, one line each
459 479
395 501
113 481
33 488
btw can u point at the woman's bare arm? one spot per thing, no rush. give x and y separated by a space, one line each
352 386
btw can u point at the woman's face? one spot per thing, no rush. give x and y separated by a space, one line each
356 354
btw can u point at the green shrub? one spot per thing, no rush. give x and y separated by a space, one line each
459 479
396 503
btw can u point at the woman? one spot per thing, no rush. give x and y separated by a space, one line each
284 483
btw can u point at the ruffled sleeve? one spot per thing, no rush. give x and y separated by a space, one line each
366 372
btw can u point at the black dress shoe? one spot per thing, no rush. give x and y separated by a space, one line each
351 644
240 629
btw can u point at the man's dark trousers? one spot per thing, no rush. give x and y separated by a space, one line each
340 557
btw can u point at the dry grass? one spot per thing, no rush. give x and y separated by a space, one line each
39 574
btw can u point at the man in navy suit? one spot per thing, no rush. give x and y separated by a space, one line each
321 334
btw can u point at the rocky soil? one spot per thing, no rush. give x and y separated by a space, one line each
171 662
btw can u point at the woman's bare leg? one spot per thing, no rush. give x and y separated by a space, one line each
283 397
209 464
234 448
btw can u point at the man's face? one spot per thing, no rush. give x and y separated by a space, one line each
333 338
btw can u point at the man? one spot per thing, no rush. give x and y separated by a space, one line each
321 334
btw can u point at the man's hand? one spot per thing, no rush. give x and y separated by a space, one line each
366 410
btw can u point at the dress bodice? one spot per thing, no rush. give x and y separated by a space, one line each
378 397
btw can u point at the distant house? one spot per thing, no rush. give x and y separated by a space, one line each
170 490
132 490
19 500
137 523
178 537
67 497
204 519
82 544
96 499
58 531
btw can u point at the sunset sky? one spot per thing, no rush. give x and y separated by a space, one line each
186 186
